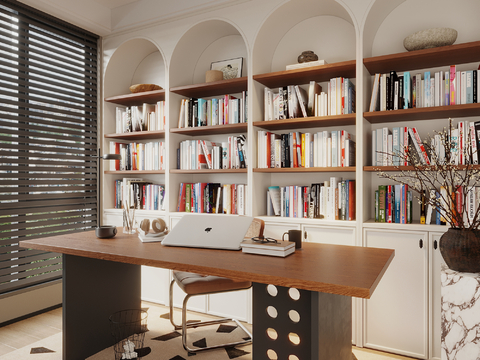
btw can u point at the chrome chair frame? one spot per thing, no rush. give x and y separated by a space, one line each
184 326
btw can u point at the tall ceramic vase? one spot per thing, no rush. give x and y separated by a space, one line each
461 250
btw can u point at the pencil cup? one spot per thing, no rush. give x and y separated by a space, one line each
128 221
294 236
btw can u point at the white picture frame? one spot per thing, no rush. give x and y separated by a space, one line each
231 68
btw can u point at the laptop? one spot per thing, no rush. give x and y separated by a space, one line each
211 231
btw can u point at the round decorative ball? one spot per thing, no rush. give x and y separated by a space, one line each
430 38
307 56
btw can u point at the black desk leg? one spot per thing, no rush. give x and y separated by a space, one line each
308 325
93 290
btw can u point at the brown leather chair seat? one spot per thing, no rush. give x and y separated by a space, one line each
197 284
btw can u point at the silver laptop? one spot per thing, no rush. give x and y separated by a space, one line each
212 231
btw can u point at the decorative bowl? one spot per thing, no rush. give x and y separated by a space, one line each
430 38
144 87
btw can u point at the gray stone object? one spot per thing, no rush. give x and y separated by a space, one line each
430 38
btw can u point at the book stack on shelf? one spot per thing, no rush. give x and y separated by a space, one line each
291 102
212 198
393 204
216 111
403 91
144 194
296 149
389 145
331 200
138 156
270 248
147 117
204 154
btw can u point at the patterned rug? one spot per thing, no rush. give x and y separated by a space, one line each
163 343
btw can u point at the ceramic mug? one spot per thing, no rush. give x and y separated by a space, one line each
294 236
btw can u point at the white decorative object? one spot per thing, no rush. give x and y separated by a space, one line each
306 64
430 38
460 315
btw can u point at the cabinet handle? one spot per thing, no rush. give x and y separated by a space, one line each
420 243
305 236
435 244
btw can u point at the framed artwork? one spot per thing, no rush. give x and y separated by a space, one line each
231 68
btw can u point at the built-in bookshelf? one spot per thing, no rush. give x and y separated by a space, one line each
184 78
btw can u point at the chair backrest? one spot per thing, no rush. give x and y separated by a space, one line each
255 229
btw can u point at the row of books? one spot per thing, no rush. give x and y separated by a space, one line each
403 91
204 154
212 198
138 156
296 149
140 194
146 117
331 200
216 111
388 146
462 198
293 101
393 204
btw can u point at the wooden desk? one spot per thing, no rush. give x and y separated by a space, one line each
103 276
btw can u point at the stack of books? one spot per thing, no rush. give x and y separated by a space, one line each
280 248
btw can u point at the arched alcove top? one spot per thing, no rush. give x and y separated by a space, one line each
388 23
324 27
204 43
133 62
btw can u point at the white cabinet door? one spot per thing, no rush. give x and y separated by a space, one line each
436 262
276 230
396 316
329 234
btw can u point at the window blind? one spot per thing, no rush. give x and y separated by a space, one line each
48 139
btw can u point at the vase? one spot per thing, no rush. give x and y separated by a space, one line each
461 250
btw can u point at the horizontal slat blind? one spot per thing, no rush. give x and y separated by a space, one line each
48 139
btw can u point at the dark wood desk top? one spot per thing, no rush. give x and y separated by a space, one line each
343 270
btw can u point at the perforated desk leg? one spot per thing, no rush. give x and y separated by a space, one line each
93 290
314 326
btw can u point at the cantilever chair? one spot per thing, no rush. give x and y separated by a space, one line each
195 284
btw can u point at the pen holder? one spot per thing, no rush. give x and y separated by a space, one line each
128 220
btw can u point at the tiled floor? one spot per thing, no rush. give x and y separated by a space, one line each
29 332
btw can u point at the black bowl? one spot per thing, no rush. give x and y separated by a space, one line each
105 231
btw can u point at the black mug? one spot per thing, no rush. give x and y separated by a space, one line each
294 236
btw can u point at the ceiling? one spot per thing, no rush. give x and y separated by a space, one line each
111 4
105 17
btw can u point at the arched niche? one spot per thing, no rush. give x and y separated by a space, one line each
202 44
388 23
324 27
137 61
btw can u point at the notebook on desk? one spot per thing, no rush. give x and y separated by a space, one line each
212 231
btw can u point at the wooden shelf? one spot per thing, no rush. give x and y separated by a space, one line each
429 113
313 121
306 170
406 168
209 171
138 135
149 97
427 58
304 76
211 130
213 88
134 172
